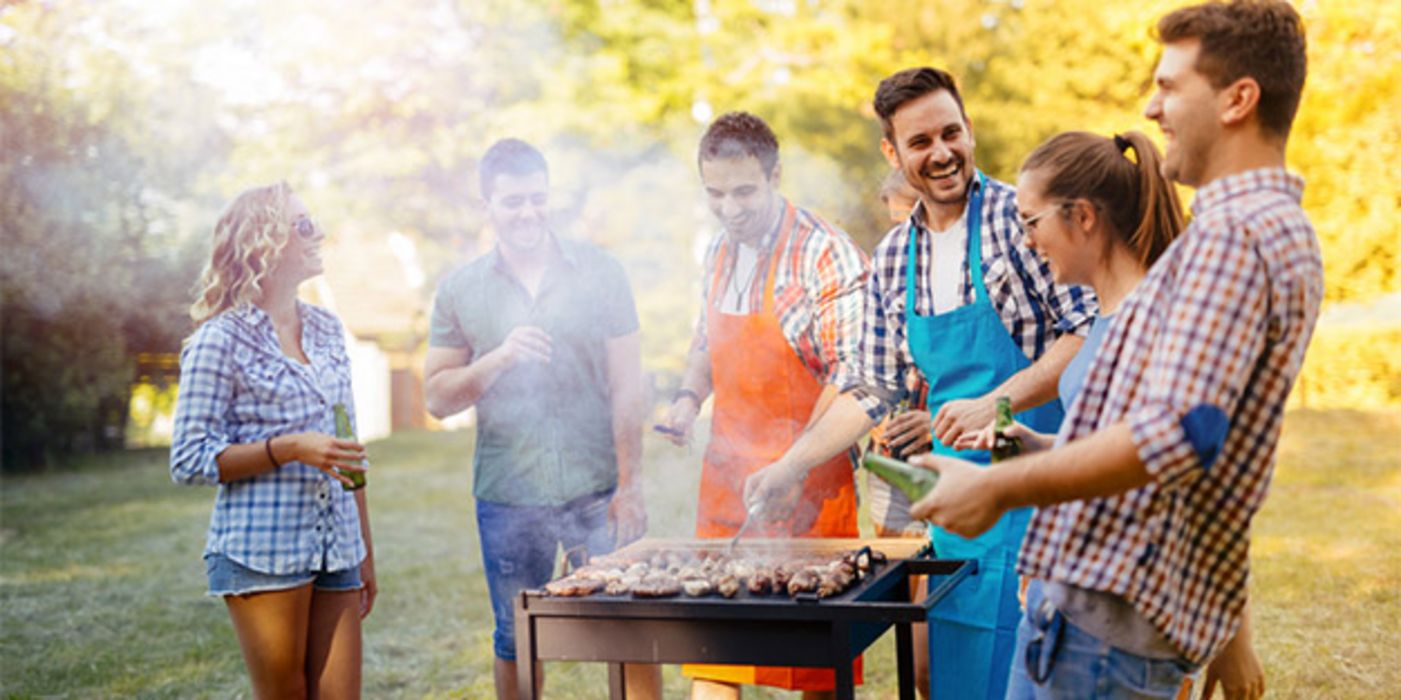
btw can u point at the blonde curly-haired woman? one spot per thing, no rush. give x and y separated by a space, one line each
289 546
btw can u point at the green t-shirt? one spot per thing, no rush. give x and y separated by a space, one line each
544 430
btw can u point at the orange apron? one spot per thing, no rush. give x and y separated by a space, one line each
764 397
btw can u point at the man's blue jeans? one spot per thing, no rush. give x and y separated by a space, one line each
1056 659
519 544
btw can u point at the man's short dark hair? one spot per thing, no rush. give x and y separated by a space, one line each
909 85
740 134
509 157
1262 39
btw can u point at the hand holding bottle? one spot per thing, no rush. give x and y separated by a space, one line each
1032 441
907 433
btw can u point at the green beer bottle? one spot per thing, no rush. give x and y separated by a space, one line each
1004 447
344 431
915 482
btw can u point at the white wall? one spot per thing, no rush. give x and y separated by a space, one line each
369 379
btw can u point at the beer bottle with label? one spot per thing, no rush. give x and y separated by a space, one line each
913 481
1004 446
882 437
345 432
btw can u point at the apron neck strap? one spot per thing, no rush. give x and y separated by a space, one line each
785 230
975 230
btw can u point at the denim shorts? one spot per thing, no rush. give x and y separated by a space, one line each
519 545
228 577
1055 659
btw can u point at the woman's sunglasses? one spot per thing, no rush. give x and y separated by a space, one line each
306 228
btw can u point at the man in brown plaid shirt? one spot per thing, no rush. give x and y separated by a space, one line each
1139 552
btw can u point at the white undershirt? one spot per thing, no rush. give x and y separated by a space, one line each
950 248
746 262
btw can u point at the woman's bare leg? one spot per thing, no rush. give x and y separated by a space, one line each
334 646
272 632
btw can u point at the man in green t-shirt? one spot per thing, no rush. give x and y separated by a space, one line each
540 334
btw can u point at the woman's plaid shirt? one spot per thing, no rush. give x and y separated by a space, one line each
1198 362
237 387
1032 307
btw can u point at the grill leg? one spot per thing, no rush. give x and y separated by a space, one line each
905 656
841 655
525 652
617 682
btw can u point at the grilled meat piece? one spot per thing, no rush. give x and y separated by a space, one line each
845 568
657 585
574 586
690 571
760 582
697 587
727 585
781 575
805 581
834 582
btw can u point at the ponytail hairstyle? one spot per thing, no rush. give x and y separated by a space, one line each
1140 204
247 239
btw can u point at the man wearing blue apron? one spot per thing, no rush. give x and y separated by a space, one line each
956 295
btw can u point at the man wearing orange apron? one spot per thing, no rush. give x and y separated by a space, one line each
782 308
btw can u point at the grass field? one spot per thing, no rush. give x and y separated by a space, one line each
101 583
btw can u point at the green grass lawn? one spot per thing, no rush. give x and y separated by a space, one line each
101 583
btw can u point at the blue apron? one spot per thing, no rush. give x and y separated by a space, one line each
966 353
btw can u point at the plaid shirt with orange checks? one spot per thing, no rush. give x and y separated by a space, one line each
1198 363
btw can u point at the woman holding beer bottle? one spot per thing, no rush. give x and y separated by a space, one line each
1100 212
261 381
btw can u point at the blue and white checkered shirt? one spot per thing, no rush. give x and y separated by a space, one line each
1032 307
237 387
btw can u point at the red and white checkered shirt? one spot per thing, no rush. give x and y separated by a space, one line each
1199 362
818 290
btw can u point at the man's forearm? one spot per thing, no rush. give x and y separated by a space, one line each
1100 465
450 390
697 375
839 427
624 361
1038 383
627 443
627 436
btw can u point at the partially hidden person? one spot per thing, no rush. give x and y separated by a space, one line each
906 431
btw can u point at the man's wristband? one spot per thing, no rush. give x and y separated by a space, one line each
267 446
682 393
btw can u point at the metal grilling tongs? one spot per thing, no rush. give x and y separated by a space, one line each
749 517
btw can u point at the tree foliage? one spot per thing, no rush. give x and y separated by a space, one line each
93 272
126 124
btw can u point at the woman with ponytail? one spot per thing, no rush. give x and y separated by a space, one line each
1099 210
261 380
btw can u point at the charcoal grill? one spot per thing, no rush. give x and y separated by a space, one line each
772 630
